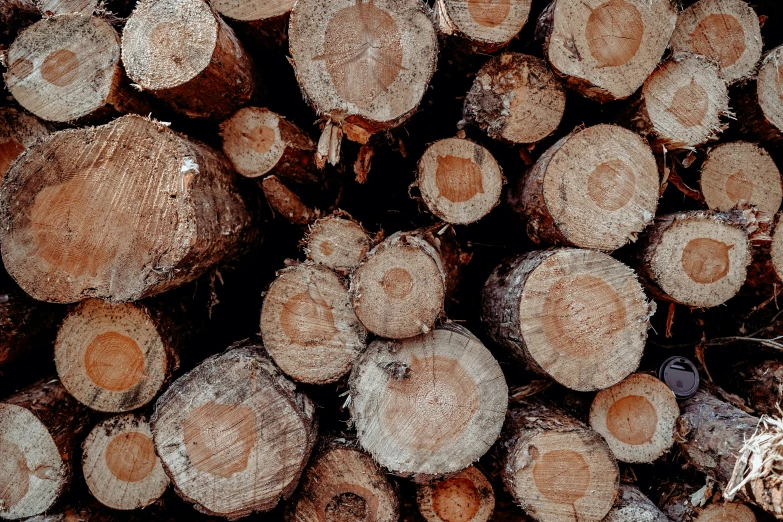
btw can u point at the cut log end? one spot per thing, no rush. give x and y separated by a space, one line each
367 62
516 98
233 420
607 49
733 512
112 358
429 405
65 67
337 242
18 131
120 466
725 31
399 290
683 102
697 259
459 180
600 200
769 90
309 326
253 10
741 172
488 24
465 497
636 418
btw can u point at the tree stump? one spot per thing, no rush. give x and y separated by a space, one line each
605 50
465 497
18 131
610 165
486 25
184 53
231 421
697 258
460 181
576 316
636 418
120 212
724 31
741 172
120 465
555 467
632 506
430 405
38 436
309 326
337 242
515 98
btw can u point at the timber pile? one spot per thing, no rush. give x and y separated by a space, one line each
380 260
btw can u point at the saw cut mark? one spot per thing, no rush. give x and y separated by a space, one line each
219 438
9 151
614 33
690 105
114 362
14 474
456 500
172 46
705 260
719 36
131 456
307 319
611 185
21 68
261 138
632 420
739 187
60 68
397 283
562 476
489 13
363 52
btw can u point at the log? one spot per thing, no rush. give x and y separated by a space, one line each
681 104
18 131
605 50
465 497
724 31
619 178
120 466
364 63
182 52
484 25
759 105
741 171
254 12
686 502
309 326
556 468
231 421
696 258
286 202
120 212
576 316
400 287
338 242
632 506
66 68
15 15
259 142
459 180
765 273
636 418
430 405
55 7
760 384
116 358
342 483
515 98
39 427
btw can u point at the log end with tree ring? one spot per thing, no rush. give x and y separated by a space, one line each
600 200
18 131
726 512
741 172
607 48
769 88
337 242
488 22
399 289
465 497
32 473
632 506
65 67
636 418
343 484
697 259
460 181
367 62
120 466
429 405
253 10
516 98
683 102
231 421
724 31
309 326
119 221
112 358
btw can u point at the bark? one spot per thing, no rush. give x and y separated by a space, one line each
632 506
